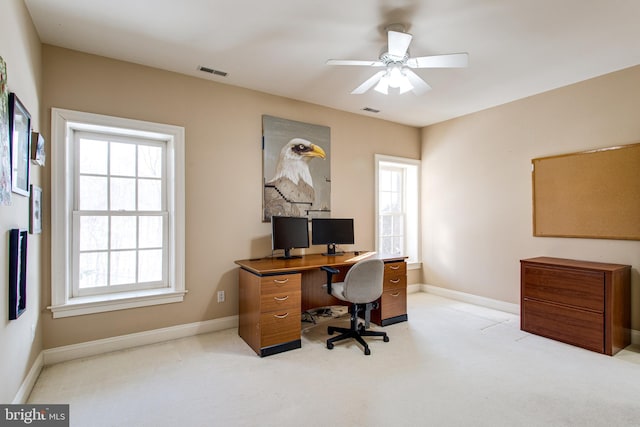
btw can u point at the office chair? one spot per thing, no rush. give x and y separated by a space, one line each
362 286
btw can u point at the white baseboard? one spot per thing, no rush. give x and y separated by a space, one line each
92 348
472 299
30 380
490 303
412 289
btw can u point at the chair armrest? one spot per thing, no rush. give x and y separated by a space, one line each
330 272
330 269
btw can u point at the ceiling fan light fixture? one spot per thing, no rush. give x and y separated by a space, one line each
405 85
396 77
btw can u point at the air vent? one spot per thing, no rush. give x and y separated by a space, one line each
370 110
212 71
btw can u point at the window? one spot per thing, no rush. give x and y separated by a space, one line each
117 213
397 207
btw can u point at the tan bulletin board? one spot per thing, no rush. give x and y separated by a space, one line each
592 194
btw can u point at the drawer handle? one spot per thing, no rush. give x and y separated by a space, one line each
280 316
397 294
394 280
281 298
394 267
281 281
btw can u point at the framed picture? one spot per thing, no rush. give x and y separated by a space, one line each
5 154
17 272
37 149
19 140
296 169
35 219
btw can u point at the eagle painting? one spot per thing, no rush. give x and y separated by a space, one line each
290 192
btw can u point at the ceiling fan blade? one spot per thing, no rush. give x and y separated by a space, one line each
368 84
354 62
419 85
398 43
453 60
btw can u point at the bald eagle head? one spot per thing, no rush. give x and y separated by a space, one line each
294 160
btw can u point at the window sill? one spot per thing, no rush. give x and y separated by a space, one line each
414 266
112 302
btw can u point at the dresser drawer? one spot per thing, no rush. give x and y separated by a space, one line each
393 303
280 301
577 327
283 283
279 327
577 288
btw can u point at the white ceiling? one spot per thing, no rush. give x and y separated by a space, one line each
517 48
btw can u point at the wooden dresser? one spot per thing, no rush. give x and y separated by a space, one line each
582 303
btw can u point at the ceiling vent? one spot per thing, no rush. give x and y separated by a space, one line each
212 71
370 110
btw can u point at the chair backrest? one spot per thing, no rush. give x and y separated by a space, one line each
363 282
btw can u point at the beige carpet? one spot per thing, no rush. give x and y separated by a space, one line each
452 364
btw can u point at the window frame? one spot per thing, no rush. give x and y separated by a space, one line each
110 214
412 219
64 124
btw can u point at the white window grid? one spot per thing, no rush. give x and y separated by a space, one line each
392 218
78 214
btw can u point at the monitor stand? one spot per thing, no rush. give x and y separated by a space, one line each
331 250
287 255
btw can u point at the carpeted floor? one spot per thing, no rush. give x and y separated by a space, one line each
451 364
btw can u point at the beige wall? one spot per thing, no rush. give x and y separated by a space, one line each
20 49
477 195
223 174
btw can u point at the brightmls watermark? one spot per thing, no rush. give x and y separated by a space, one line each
34 415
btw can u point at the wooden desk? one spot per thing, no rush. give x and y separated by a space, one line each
275 292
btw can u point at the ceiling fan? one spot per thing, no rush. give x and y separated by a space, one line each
397 65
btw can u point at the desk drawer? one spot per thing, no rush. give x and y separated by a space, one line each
280 301
395 268
279 327
577 327
393 303
577 288
395 281
395 275
282 283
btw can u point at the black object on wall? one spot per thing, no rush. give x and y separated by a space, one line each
17 272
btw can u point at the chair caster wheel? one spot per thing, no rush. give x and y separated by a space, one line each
385 339
330 330
329 345
367 352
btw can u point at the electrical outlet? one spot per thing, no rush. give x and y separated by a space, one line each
220 296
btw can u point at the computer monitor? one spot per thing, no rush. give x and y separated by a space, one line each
289 232
332 232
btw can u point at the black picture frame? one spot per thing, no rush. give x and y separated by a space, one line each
20 144
17 272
